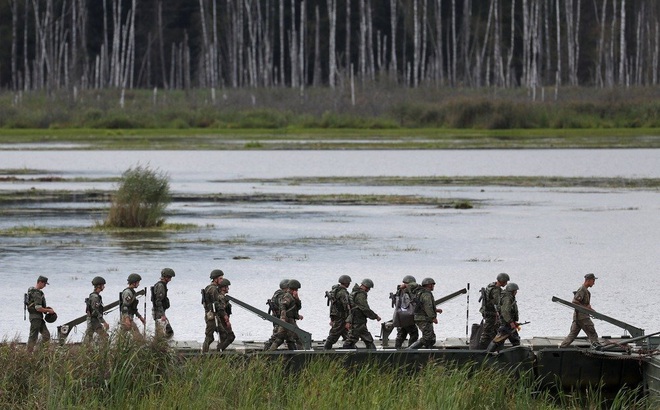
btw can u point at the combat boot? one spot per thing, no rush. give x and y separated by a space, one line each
492 347
327 345
416 345
398 344
370 345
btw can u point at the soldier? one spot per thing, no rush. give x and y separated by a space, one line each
509 320
404 313
35 302
426 314
289 312
490 307
161 303
340 308
210 295
129 306
360 312
222 312
582 321
94 309
274 310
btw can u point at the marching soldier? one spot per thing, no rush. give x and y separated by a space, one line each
509 323
360 312
211 295
94 308
340 308
582 321
274 309
289 312
403 317
161 303
129 306
426 314
35 302
490 308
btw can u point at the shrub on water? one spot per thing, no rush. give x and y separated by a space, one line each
140 200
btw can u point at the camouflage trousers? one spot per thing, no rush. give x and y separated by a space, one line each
403 332
503 333
285 335
581 324
37 326
127 325
226 335
94 326
357 332
337 330
488 329
428 334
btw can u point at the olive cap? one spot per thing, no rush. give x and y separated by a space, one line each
167 273
367 283
98 281
42 279
216 273
134 277
345 280
590 276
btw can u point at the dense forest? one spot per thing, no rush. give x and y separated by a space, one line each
182 44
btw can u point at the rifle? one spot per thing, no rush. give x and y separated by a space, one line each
499 337
269 301
393 297
144 332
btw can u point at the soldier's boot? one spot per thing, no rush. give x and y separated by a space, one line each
275 345
370 345
348 345
416 345
328 345
225 343
398 344
267 345
493 347
205 347
291 345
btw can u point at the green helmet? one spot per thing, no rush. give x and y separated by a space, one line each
408 279
134 277
511 287
224 282
98 281
368 283
345 280
50 317
294 284
216 273
167 273
284 283
428 281
503 278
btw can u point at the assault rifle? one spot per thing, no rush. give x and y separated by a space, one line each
63 330
499 337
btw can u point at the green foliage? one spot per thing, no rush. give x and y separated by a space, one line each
140 200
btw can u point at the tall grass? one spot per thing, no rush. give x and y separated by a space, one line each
140 200
128 374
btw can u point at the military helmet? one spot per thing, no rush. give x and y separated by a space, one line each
284 283
98 281
503 278
216 273
294 284
224 282
50 317
409 279
511 287
368 283
134 277
167 273
345 280
428 281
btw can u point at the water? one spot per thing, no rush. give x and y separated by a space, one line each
546 239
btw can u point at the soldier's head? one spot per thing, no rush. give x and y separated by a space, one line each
216 276
512 288
294 285
367 284
167 274
98 283
428 283
42 281
224 285
284 284
408 279
502 279
345 280
134 280
589 280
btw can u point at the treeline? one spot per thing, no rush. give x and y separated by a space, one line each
183 44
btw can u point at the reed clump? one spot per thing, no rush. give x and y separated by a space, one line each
123 373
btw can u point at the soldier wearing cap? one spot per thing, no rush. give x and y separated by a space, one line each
426 314
129 306
490 309
289 312
35 302
210 300
360 312
582 321
161 303
94 309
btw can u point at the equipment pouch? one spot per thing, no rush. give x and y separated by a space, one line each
210 315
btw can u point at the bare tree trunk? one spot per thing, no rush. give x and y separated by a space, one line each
601 45
393 23
332 47
14 45
439 43
558 73
509 65
416 43
317 47
454 42
425 25
622 46
348 63
301 49
362 61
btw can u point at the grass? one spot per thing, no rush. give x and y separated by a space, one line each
127 374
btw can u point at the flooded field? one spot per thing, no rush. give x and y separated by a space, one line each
545 238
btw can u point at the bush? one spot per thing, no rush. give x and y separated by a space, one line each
141 199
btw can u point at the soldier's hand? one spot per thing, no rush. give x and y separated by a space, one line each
106 325
513 325
300 317
377 318
438 310
435 321
144 322
348 326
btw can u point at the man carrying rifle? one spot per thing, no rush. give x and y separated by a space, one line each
340 308
490 308
509 322
426 314
161 303
274 310
404 313
360 312
210 296
94 309
289 312
129 306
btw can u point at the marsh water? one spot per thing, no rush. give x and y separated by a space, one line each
545 238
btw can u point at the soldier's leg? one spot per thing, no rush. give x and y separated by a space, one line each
428 335
368 339
590 330
352 338
401 334
337 329
45 334
210 329
498 341
514 338
575 330
278 338
413 333
35 326
227 337
488 330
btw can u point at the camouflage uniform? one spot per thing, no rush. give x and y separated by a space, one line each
509 314
211 296
95 320
129 310
36 299
289 312
360 312
160 303
581 321
490 312
425 314
340 308
403 317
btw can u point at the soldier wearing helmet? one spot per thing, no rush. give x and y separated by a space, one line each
274 309
35 303
160 303
94 309
403 318
582 321
129 306
340 308
289 312
509 323
360 312
490 309
212 312
426 314
222 312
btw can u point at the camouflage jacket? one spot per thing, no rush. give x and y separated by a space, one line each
582 297
341 305
509 308
492 302
211 298
159 299
425 311
289 307
94 308
360 310
35 299
274 302
129 302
